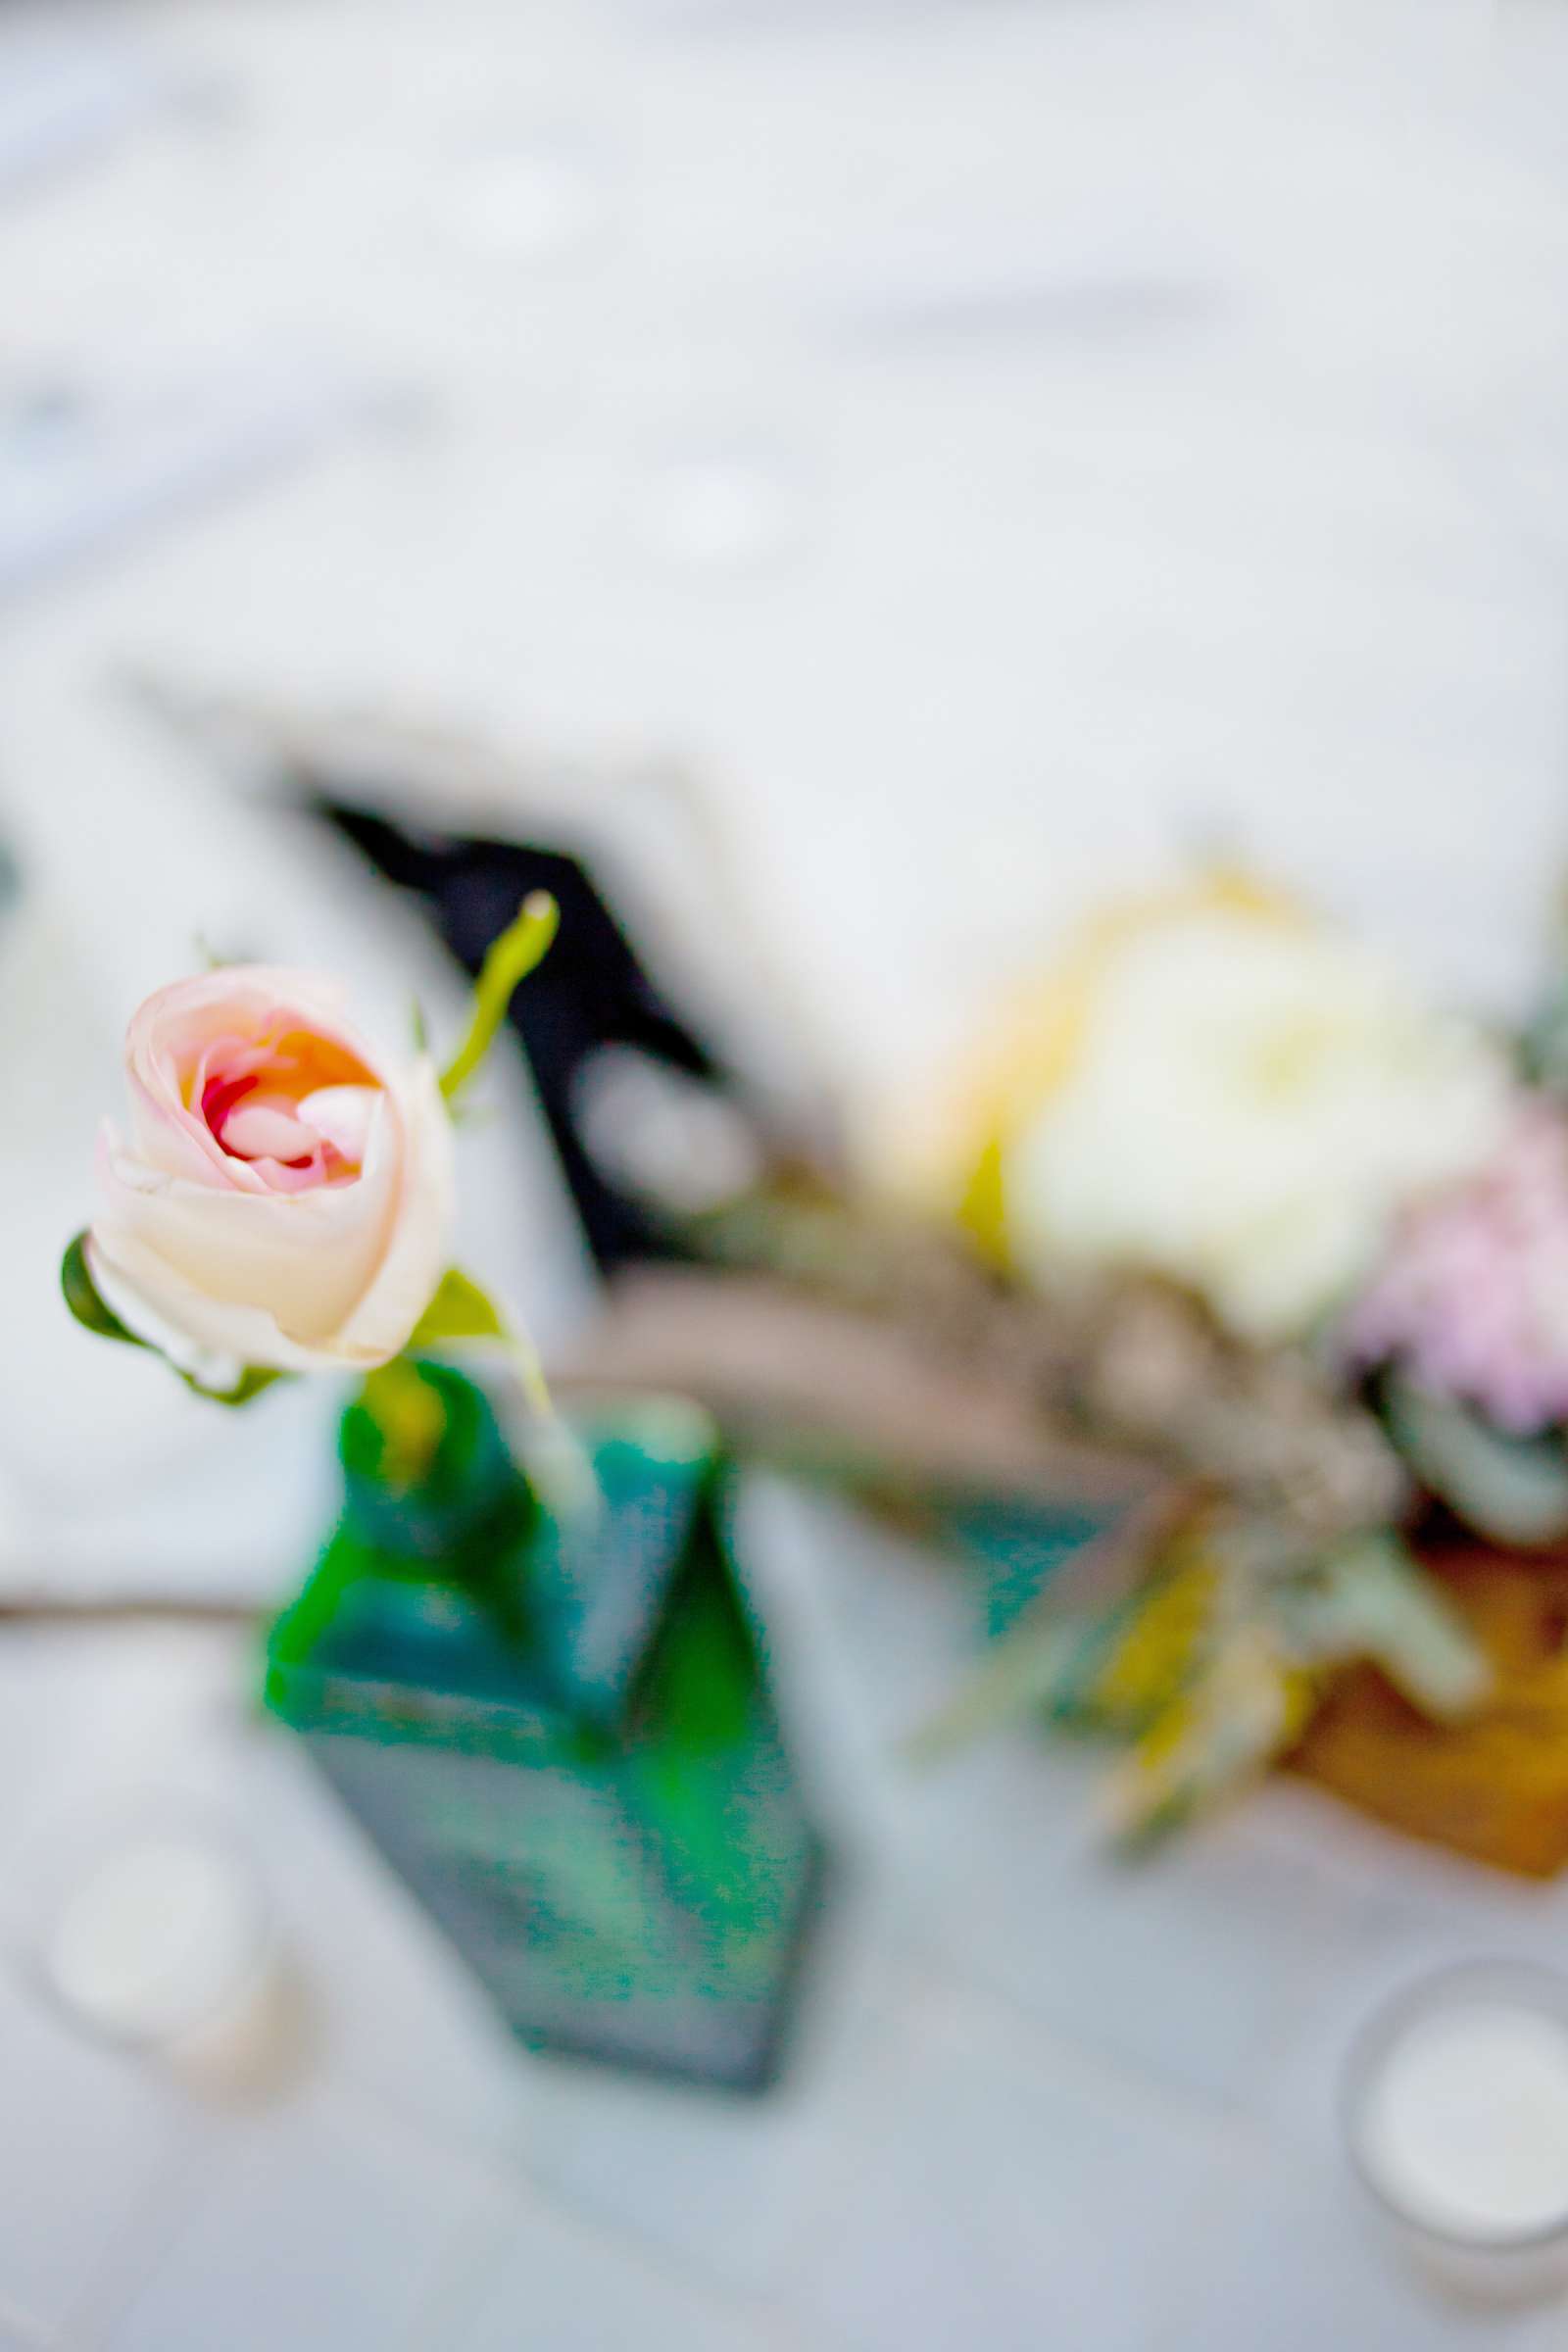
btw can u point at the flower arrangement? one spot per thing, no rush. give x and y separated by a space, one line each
1306 1239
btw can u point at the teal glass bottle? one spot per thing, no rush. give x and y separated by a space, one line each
555 1724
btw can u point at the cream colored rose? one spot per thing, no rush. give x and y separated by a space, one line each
283 1196
1224 1093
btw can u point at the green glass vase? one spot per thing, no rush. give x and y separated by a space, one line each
555 1725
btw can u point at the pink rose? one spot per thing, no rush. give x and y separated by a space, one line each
284 1194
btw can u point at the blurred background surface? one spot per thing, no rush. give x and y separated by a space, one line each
873 477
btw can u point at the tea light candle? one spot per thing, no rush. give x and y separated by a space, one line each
165 1942
1458 2125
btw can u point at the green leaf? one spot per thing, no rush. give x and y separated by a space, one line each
1051 1658
83 1300
1038 1664
460 1310
81 1297
1514 1490
1370 1598
507 961
1243 1708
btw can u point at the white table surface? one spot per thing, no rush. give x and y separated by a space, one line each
1172 402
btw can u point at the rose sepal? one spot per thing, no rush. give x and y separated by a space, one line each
90 1309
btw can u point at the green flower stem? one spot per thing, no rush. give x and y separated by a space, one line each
462 1311
531 1372
407 1413
459 1312
509 959
557 1460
